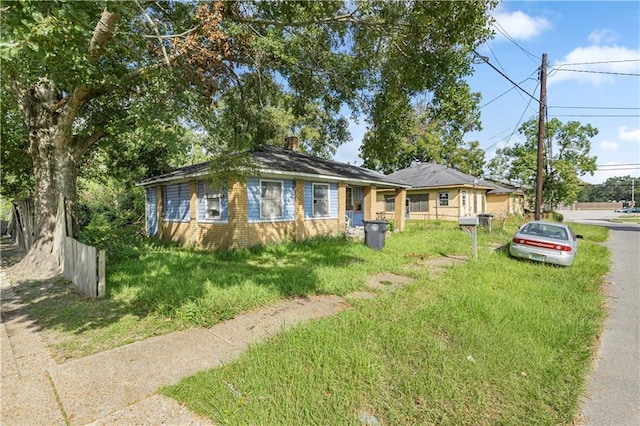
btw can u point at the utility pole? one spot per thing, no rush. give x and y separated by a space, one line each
541 120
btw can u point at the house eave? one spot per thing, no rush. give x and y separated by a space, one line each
279 173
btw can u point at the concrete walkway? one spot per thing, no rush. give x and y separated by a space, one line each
119 386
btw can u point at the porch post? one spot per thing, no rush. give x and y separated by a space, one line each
299 209
342 206
369 207
400 201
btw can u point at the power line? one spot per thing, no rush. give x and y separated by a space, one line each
618 165
592 107
504 32
618 169
597 115
503 74
600 62
597 72
508 90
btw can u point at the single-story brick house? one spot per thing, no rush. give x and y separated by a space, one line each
440 192
504 199
293 196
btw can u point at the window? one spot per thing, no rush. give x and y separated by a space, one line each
443 199
211 202
464 198
212 208
176 202
419 203
270 199
355 201
320 199
389 203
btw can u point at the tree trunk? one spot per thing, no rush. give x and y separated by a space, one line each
55 153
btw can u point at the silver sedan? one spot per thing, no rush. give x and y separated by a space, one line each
547 242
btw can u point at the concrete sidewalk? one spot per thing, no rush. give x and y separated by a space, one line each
119 386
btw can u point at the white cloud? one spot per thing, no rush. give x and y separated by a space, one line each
608 59
603 37
609 145
518 25
629 135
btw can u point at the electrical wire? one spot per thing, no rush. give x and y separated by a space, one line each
508 90
592 107
600 62
596 72
618 165
504 75
598 115
514 130
504 32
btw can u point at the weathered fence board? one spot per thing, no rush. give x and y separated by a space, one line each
82 264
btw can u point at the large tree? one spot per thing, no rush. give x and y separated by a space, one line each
88 72
426 133
567 156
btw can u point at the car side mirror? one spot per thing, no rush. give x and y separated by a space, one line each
580 237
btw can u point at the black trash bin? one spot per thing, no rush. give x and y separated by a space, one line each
484 219
374 232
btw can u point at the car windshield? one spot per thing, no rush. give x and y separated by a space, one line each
545 230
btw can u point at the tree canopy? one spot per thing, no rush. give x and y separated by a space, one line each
421 133
566 158
616 188
122 77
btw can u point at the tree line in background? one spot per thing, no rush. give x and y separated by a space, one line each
617 188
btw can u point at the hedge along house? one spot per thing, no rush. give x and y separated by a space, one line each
293 196
440 192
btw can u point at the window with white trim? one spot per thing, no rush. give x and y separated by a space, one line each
213 206
212 201
271 204
320 199
443 199
464 198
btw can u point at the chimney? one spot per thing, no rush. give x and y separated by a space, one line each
291 143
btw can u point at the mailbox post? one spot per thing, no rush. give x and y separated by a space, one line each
469 224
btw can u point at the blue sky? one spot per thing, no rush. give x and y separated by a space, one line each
604 36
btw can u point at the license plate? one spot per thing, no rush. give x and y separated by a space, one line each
537 257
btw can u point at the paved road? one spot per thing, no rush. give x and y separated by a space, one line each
613 389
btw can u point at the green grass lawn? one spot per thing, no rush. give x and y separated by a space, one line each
495 340
154 288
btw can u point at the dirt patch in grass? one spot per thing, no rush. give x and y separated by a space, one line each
436 265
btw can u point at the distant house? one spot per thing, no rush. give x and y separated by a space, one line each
293 196
504 199
440 192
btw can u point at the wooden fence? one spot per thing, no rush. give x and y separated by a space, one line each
85 266
82 264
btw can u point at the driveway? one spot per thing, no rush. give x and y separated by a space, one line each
613 388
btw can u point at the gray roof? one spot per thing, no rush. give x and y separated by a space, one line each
498 189
284 161
432 175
